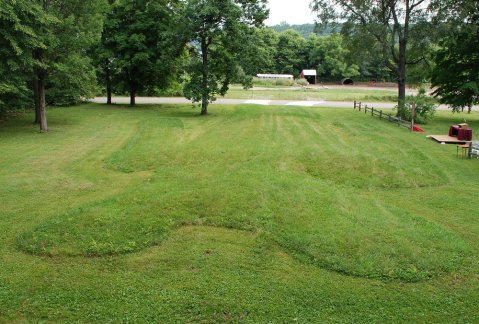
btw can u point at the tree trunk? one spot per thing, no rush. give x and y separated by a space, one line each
108 95
204 107
108 86
41 75
36 99
132 94
204 96
401 95
401 74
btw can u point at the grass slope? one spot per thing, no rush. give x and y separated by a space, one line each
251 214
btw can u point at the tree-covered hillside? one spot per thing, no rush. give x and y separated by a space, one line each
304 29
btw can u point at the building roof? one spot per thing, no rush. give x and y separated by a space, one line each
310 73
275 76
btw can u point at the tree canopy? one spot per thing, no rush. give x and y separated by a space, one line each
140 44
46 41
216 30
17 40
391 25
456 75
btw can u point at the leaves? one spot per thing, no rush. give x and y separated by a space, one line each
138 44
456 75
218 32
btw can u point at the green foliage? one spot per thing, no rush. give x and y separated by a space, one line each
74 26
284 82
456 75
140 45
329 57
364 51
259 51
399 29
304 30
17 39
268 51
425 108
291 53
302 82
264 83
52 37
71 81
217 32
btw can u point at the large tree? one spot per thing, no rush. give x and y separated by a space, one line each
139 42
17 39
45 42
456 75
216 31
291 53
390 23
330 58
65 31
259 53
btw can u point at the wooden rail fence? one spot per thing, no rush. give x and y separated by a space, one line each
379 113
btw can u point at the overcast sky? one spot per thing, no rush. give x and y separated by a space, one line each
291 11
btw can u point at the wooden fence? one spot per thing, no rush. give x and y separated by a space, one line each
379 113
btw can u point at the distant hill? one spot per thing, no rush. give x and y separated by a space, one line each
305 29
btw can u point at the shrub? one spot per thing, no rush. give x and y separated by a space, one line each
284 82
263 82
425 107
302 82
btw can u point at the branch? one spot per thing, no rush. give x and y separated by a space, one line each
361 17
414 5
417 61
397 25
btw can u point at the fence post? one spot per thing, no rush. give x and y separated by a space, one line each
366 109
380 114
360 106
354 104
372 111
413 116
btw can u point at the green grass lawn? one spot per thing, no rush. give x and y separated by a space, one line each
333 94
252 214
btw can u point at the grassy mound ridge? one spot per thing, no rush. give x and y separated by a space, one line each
263 182
312 179
369 238
99 230
357 237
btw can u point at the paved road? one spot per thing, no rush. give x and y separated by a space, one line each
332 104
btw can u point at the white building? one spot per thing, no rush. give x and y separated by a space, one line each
275 76
310 76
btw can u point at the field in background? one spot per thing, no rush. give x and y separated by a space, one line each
259 214
330 93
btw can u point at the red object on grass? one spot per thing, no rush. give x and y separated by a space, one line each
454 130
464 134
417 129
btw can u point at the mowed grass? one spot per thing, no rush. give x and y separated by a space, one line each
252 214
345 93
